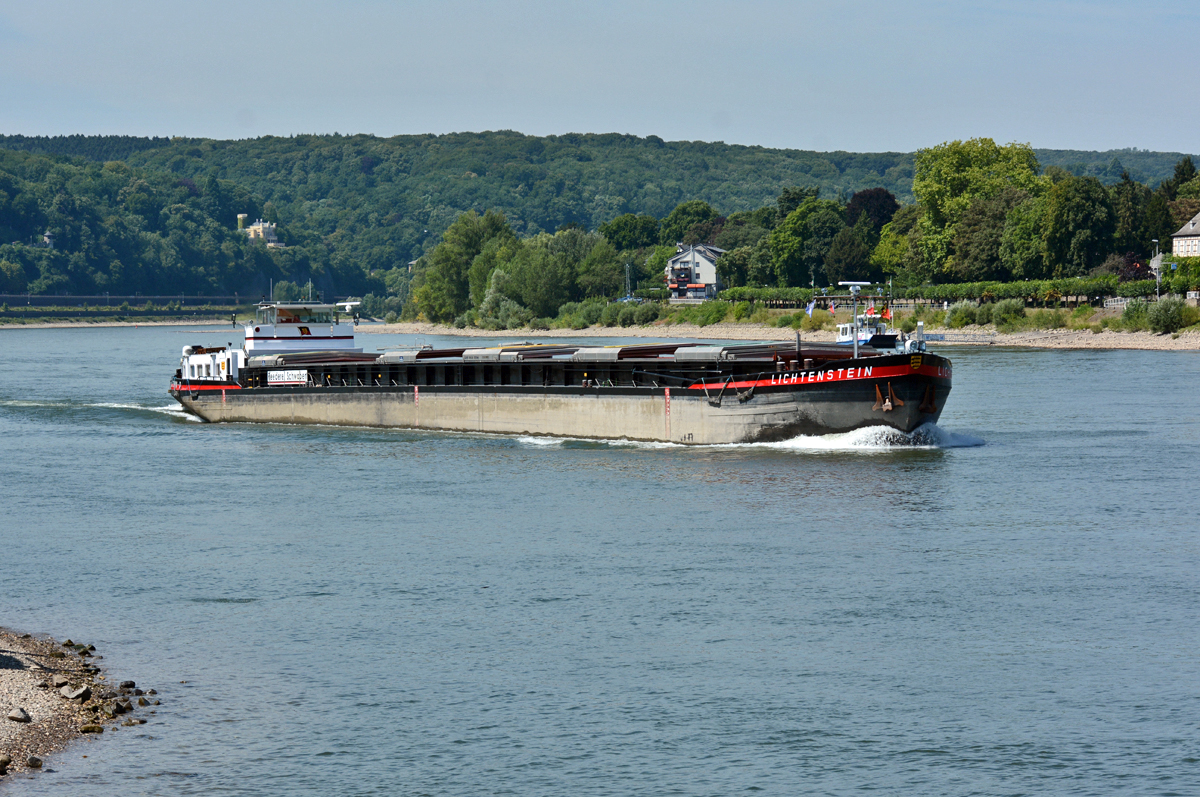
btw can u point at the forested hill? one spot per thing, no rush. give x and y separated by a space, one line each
146 214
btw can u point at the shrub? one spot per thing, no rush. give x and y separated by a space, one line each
609 315
983 314
1166 315
646 313
628 315
390 318
818 321
741 310
1008 312
1134 315
785 320
1048 319
540 323
909 325
960 314
590 313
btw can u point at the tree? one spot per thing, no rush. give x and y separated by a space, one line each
601 272
1185 172
704 232
896 252
631 232
1079 227
977 242
683 218
791 198
800 242
1022 246
878 204
849 256
1129 200
1160 224
948 178
444 291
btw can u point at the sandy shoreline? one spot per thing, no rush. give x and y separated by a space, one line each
31 671
969 336
179 322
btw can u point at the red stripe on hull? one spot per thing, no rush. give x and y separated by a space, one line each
831 375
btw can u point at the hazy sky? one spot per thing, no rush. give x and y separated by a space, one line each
860 76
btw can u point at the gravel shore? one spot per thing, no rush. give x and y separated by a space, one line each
970 336
37 718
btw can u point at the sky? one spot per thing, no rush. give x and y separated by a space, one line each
855 75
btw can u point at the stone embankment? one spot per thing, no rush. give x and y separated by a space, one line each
52 694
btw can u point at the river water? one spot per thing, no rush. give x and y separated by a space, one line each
1009 609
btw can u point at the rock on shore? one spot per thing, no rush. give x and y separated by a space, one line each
50 694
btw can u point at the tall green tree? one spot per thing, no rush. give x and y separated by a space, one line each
685 216
948 178
1129 200
444 289
877 204
977 241
1022 244
849 255
1079 227
631 231
800 242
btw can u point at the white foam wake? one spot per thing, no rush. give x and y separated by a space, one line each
879 438
869 439
173 410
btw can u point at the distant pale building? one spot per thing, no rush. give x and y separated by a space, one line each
692 273
1186 242
263 230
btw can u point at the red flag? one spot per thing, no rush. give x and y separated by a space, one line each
833 308
886 314
871 310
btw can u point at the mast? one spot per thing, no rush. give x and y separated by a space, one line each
855 287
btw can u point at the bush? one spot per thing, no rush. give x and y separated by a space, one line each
608 317
909 325
646 313
1134 315
541 323
1008 312
590 313
1166 315
784 320
390 318
628 315
741 310
818 321
960 314
1048 319
983 314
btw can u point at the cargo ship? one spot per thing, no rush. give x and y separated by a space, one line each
300 365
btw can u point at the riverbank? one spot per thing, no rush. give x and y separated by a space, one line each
73 324
52 695
970 336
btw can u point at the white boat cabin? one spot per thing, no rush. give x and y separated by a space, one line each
211 364
868 326
283 328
